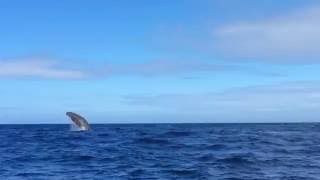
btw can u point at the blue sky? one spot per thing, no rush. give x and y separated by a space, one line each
160 61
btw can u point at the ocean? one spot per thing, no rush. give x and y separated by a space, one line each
161 151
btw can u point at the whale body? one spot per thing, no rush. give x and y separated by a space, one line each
79 121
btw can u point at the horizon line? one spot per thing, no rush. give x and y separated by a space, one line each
146 123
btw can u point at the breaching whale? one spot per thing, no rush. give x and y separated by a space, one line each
79 121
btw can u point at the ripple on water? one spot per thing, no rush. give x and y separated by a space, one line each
175 134
154 141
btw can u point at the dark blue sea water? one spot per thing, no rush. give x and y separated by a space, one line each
161 151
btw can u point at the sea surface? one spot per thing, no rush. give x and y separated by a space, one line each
161 151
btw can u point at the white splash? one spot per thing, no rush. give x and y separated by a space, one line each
74 127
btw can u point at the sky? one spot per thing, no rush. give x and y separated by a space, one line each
161 61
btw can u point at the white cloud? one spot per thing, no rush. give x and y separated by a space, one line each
37 68
48 69
57 69
293 37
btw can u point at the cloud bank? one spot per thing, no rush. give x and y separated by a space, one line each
296 101
38 68
291 37
54 69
